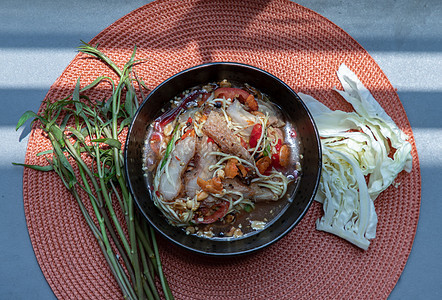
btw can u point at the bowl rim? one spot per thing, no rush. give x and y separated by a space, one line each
260 246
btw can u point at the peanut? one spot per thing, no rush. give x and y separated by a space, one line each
201 196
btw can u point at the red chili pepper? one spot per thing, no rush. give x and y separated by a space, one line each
255 135
190 132
210 140
170 115
157 193
232 93
243 143
189 121
293 133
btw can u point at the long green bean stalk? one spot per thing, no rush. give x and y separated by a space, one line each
84 136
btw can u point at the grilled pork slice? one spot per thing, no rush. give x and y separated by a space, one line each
234 185
202 161
262 194
253 191
216 128
242 117
171 181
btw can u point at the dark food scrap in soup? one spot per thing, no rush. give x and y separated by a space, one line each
221 159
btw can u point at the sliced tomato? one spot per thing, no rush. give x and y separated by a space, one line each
213 214
278 145
231 93
275 156
255 135
275 161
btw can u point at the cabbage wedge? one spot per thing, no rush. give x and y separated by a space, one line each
363 152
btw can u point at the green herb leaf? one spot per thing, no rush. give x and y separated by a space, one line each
97 81
170 146
88 49
57 132
108 141
65 121
76 97
129 104
267 151
45 152
71 179
77 134
26 116
248 208
36 167
126 122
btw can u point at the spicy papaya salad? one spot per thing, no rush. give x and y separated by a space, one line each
218 151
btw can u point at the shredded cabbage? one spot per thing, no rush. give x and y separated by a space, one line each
356 145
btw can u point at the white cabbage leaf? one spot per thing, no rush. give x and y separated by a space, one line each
356 146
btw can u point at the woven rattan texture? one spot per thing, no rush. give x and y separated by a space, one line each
303 49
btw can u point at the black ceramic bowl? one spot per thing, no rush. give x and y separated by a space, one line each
279 93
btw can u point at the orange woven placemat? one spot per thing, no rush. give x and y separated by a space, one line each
303 49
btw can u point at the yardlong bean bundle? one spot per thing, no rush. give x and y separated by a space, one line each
84 136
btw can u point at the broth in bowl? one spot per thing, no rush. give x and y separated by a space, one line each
222 160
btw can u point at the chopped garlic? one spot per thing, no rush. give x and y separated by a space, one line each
257 225
168 129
